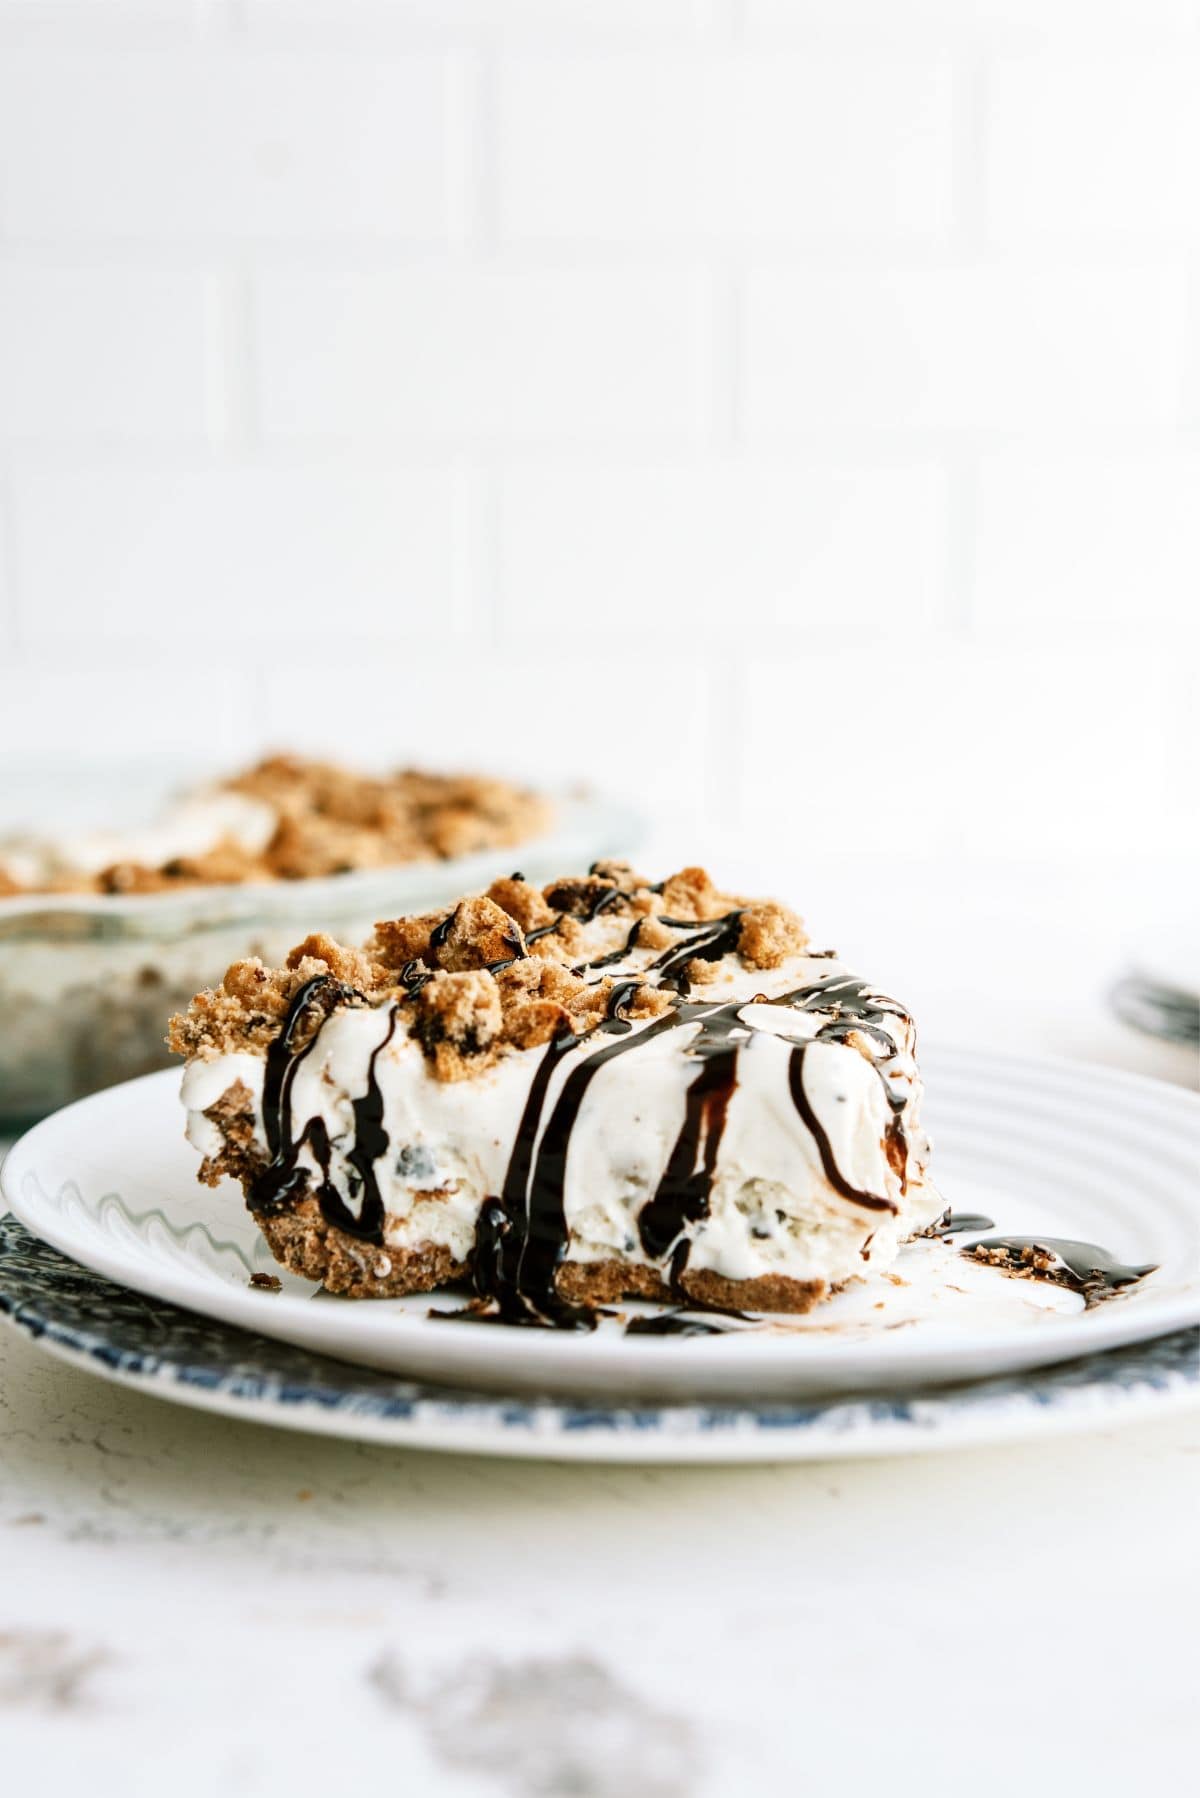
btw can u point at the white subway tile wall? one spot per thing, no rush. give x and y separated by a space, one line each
669 149
462 357
101 354
786 412
224 146
247 551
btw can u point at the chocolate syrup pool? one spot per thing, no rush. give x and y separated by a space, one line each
1083 1267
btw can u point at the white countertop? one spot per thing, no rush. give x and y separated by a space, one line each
190 1604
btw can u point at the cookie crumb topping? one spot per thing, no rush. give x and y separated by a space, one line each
511 968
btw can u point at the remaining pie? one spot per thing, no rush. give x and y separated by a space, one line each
287 818
566 1096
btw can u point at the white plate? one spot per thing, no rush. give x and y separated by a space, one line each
1042 1147
171 1354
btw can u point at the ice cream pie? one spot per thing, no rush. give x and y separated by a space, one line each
564 1096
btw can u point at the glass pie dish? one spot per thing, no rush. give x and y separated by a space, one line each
89 980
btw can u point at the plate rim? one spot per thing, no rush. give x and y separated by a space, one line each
449 1422
529 1352
883 1441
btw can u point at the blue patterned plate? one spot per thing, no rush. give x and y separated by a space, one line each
1045 1148
178 1355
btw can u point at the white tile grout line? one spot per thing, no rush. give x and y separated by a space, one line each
220 19
725 362
477 576
10 614
958 602
852 448
471 153
229 354
724 20
1189 386
724 742
969 138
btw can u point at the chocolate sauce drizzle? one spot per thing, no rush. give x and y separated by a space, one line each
683 1192
614 955
370 1145
535 936
712 942
413 976
502 1230
277 1185
524 1233
522 1237
857 1010
871 1200
440 934
519 952
673 1323
958 1223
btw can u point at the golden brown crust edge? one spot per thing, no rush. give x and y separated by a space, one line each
307 1245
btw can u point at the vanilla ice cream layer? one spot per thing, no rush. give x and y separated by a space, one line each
808 1181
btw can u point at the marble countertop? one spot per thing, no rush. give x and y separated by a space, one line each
194 1604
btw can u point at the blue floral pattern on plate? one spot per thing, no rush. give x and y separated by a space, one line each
189 1357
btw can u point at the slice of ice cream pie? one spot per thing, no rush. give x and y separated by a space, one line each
566 1096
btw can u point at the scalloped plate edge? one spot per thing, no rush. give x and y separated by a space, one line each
440 1425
